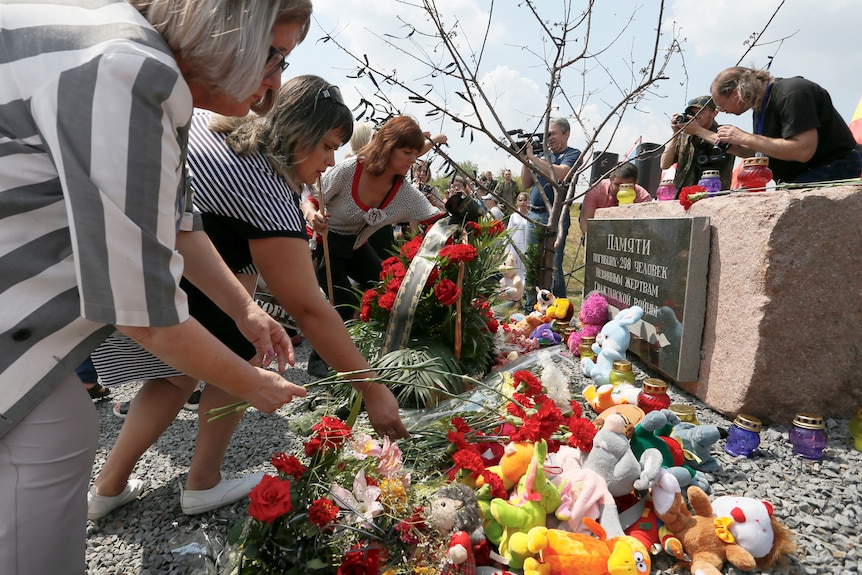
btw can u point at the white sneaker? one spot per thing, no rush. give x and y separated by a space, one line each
100 505
229 490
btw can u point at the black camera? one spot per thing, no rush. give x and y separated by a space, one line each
710 155
682 118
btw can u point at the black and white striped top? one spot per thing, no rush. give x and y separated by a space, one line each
244 194
93 122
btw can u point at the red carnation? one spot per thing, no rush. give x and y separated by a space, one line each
270 499
685 195
458 253
432 277
498 490
469 460
409 529
527 383
409 249
387 300
361 561
322 512
288 464
387 265
446 291
496 228
582 433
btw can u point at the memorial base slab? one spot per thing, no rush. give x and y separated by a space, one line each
783 327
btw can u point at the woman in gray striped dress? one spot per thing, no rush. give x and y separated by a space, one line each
96 100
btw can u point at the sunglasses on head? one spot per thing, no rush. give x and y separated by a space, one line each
333 92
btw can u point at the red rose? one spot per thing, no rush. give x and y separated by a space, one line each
288 464
330 433
458 253
473 228
270 499
387 265
447 292
322 512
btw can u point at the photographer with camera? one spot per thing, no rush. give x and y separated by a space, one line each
694 146
562 158
795 125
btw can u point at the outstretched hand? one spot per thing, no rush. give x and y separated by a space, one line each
382 409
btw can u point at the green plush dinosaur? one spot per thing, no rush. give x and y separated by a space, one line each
528 506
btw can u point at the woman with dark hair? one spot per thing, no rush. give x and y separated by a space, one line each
361 195
248 174
97 101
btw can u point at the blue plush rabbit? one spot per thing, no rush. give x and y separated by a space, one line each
611 344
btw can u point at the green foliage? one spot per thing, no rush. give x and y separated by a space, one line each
434 328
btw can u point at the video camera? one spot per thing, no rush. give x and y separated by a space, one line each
709 155
535 140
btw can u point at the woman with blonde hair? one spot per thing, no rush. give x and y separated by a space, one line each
96 111
248 176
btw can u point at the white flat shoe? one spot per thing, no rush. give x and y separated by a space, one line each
229 490
100 505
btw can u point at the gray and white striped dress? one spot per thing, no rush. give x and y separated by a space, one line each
93 124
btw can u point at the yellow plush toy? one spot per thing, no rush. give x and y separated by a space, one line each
563 553
516 458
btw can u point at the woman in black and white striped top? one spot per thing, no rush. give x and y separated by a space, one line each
247 174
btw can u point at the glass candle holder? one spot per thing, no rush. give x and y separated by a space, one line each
626 194
743 437
653 396
621 373
710 180
856 429
754 174
685 413
585 347
666 191
808 435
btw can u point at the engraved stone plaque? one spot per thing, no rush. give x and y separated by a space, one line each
660 265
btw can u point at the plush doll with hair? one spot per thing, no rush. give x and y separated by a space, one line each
455 515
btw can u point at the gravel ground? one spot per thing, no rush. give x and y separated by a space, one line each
820 501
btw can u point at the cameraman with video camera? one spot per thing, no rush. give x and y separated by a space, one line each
694 146
562 158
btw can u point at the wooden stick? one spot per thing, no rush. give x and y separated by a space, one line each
322 208
458 317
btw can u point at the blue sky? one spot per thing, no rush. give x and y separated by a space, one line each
816 40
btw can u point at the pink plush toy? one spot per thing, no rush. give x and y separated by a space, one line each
591 318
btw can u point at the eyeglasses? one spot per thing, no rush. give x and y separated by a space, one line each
333 92
276 61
